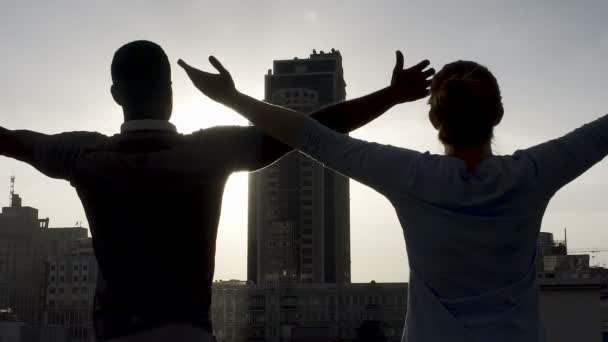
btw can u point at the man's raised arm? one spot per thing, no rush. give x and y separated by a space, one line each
343 117
53 155
19 145
347 116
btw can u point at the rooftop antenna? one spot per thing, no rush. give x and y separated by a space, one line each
12 190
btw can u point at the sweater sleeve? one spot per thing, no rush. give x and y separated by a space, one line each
559 161
383 167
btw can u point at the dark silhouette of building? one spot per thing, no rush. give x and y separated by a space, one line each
70 291
370 331
299 219
553 260
305 312
26 243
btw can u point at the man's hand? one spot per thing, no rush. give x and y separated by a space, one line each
218 87
410 84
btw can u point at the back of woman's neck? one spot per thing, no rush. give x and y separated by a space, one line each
472 155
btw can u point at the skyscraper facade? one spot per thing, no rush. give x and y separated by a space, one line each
299 219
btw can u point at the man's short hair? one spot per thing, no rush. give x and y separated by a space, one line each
141 68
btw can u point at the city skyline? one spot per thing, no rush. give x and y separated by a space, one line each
548 62
267 311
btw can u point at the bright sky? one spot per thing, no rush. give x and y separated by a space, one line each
549 57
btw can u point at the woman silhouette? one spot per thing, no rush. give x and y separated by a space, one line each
470 218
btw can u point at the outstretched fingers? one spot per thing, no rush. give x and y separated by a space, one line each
191 71
184 65
428 73
218 66
398 62
421 66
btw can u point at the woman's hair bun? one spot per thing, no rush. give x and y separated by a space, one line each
466 100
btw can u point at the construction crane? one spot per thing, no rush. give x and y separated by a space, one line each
587 250
592 252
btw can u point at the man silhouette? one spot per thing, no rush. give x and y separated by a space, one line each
153 196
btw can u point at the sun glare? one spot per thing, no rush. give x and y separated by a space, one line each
231 247
199 114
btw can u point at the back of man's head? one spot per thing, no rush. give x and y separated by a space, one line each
141 77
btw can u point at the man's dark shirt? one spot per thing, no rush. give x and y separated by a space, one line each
153 198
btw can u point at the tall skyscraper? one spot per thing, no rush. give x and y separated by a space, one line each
299 219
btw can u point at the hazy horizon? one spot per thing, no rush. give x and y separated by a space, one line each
549 58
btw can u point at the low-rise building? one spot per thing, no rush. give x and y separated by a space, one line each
70 291
26 242
10 326
305 312
571 309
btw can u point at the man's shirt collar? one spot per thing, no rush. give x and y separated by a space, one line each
147 125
